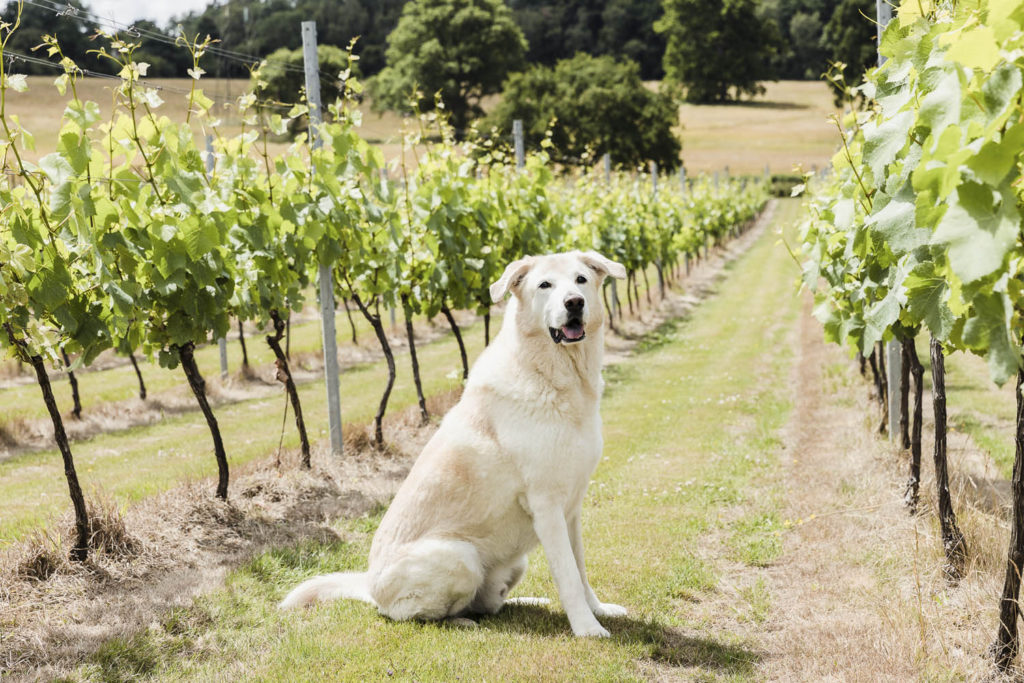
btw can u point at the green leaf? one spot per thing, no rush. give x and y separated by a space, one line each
927 294
200 237
979 228
60 174
940 105
997 158
987 332
976 48
895 223
883 142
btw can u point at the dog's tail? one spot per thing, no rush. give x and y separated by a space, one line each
354 586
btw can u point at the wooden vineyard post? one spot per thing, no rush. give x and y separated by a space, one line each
518 143
893 352
222 346
657 262
614 311
326 277
682 192
894 373
222 343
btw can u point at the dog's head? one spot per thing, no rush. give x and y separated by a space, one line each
560 293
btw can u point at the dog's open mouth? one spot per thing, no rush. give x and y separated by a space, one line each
570 332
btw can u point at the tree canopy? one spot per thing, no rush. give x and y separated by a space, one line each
801 54
851 37
593 106
717 49
558 29
811 31
281 82
461 49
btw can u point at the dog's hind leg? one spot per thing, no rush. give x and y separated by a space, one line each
430 579
499 583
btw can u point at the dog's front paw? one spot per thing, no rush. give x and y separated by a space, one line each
594 630
607 609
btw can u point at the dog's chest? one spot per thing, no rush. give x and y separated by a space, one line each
554 453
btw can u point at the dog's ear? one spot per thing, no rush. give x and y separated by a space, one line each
511 278
603 266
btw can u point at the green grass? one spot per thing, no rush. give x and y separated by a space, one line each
977 407
689 483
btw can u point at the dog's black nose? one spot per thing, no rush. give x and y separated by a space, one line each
574 304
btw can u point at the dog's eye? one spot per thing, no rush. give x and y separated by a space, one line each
580 280
544 285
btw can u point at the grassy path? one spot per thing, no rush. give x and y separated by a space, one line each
689 490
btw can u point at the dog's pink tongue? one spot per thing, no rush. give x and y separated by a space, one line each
572 332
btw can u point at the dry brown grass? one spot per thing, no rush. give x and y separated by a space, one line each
861 590
41 106
787 126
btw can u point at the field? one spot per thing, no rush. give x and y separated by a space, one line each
746 511
786 127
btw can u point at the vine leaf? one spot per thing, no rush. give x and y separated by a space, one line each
979 230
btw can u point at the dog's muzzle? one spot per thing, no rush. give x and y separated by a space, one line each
569 333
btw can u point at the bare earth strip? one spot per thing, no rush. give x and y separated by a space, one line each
858 593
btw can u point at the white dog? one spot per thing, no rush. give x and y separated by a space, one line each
507 468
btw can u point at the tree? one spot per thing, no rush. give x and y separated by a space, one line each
558 29
801 53
851 35
165 58
717 49
593 106
462 49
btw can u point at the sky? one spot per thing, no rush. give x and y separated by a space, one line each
127 11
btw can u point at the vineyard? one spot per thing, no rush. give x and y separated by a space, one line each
135 238
918 234
759 519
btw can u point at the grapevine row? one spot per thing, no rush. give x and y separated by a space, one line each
130 236
918 230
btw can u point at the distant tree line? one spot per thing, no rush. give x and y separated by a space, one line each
803 35
572 70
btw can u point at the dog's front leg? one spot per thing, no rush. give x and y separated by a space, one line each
601 609
551 528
